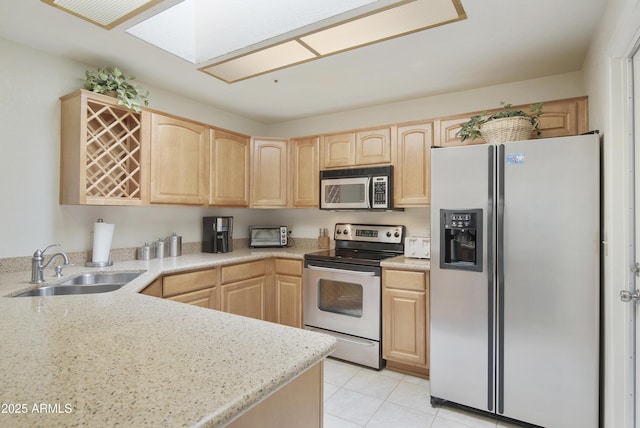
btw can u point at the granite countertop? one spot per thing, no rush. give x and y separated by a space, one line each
402 262
122 358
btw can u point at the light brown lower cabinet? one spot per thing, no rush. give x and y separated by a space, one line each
196 288
288 292
268 289
243 289
405 320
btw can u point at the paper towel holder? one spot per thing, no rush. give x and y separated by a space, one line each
90 263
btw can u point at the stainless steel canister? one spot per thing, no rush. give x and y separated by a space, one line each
175 245
144 252
161 251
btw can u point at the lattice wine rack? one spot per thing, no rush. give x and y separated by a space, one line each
113 152
109 155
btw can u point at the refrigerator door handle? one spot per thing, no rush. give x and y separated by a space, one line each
490 279
500 277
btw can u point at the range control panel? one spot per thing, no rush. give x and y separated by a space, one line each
369 233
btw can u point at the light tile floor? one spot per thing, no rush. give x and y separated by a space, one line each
355 397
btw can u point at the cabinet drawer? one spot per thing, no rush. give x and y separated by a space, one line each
197 298
405 280
289 267
187 282
242 271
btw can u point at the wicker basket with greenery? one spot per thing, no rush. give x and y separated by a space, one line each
504 125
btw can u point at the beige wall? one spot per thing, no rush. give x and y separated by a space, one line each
32 218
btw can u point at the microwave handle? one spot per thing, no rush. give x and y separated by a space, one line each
369 193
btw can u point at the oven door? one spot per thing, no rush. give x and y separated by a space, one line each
345 193
343 300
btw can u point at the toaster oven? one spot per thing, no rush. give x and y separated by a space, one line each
268 236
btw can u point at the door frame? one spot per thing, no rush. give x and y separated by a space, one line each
618 401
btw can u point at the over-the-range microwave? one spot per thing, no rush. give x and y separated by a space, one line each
357 189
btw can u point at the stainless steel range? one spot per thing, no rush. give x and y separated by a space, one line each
343 289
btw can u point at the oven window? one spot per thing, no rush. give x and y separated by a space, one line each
344 298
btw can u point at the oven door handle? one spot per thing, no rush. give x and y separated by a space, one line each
345 271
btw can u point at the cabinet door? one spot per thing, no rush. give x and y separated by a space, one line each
229 170
564 117
289 300
403 334
373 147
338 150
305 172
269 173
179 161
448 129
203 298
245 298
405 317
413 165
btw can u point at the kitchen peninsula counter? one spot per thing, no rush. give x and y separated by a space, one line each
123 358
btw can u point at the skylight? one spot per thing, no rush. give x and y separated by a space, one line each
234 40
201 30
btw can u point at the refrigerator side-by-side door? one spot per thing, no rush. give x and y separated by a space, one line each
548 354
461 299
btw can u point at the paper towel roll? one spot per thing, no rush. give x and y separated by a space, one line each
102 235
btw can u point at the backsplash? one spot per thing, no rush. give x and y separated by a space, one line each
23 264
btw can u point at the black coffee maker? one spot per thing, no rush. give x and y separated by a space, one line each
217 234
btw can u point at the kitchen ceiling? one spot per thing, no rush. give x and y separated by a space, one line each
501 41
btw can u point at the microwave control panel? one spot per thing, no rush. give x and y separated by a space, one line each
380 192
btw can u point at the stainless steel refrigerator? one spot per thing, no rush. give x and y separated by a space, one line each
515 279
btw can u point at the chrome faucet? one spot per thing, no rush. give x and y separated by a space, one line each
37 268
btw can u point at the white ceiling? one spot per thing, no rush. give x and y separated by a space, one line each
500 41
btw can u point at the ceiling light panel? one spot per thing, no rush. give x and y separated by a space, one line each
201 30
394 22
105 13
260 62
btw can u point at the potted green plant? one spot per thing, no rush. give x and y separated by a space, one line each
111 81
504 125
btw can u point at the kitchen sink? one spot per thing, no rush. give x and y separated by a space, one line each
86 283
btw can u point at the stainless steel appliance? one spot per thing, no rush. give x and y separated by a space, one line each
357 189
515 279
268 236
217 234
343 290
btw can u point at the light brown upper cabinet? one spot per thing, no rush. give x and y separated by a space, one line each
564 117
269 172
413 165
373 147
338 150
229 170
355 149
560 118
179 165
305 172
103 152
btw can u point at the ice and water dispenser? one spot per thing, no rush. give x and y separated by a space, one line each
461 239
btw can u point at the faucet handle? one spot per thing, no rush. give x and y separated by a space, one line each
39 253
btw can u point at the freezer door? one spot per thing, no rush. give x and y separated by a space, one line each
549 295
462 300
